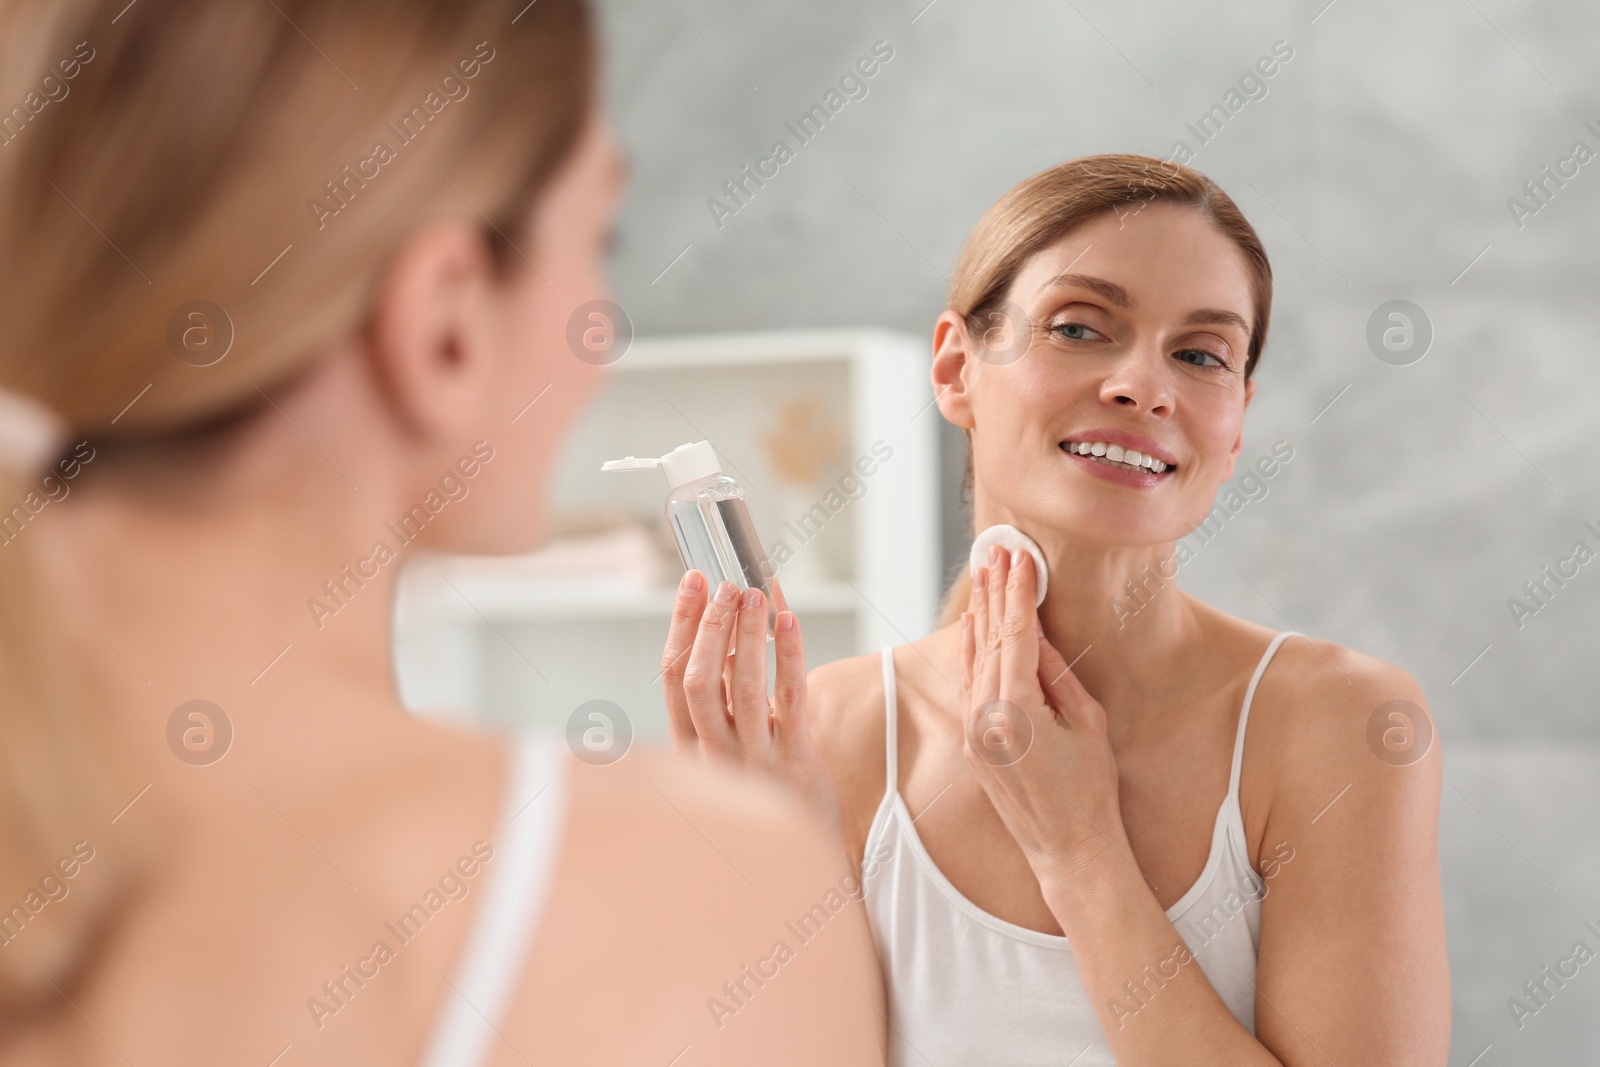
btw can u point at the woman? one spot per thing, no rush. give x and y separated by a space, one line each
222 838
1091 815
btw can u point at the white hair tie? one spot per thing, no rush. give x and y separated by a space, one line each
31 435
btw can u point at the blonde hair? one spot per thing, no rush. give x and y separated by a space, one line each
1051 204
165 153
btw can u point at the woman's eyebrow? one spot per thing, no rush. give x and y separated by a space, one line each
1215 317
1113 292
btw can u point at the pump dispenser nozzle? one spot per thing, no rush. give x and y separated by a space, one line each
684 464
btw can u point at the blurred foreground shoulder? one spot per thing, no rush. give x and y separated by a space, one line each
698 908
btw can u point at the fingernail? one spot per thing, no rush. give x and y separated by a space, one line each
726 592
1016 557
692 582
752 598
785 621
995 552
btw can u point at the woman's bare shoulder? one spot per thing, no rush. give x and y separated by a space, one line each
676 879
652 790
1334 717
845 709
844 702
1324 689
1317 698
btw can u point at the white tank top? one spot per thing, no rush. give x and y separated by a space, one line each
533 819
966 987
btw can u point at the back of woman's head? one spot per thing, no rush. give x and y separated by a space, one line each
176 175
1045 208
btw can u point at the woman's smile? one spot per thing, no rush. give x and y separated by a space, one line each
1121 457
1115 470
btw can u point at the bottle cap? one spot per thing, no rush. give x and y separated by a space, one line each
684 464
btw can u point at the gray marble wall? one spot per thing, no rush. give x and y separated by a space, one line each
1377 163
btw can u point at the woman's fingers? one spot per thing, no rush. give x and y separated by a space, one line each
1054 679
978 605
747 681
1065 692
687 608
702 677
1019 631
999 576
789 687
968 653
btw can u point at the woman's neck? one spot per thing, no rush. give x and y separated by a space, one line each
1131 635
1123 646
206 590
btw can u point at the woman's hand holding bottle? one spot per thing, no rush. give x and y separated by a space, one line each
717 703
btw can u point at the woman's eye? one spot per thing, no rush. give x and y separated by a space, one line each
1076 331
1216 360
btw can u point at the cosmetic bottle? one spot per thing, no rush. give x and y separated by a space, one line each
710 521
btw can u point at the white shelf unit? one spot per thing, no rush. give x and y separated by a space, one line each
492 644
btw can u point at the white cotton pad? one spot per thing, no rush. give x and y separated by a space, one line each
1009 538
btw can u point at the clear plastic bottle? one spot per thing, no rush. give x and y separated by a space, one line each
711 523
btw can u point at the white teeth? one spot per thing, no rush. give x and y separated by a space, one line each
1115 454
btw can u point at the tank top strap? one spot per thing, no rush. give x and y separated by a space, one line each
531 826
1244 712
891 741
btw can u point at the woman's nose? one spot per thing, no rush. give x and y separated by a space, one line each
1139 379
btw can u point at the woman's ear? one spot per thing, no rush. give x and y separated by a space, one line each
430 339
952 356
